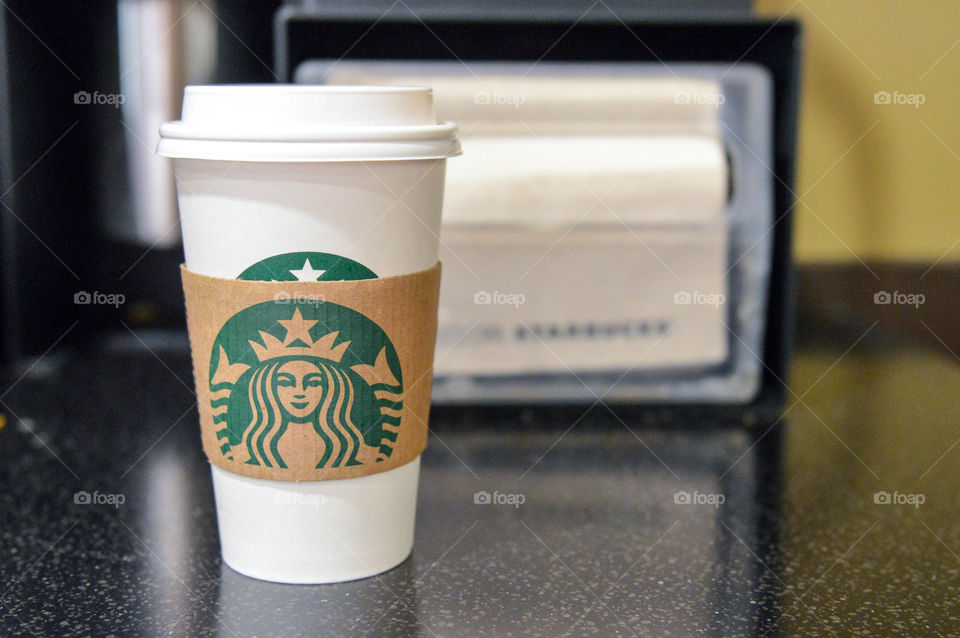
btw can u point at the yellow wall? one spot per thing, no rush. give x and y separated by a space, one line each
895 193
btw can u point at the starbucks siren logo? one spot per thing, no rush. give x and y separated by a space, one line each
305 384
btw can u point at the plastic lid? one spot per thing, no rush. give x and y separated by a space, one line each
303 123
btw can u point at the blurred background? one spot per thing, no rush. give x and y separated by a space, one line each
874 180
877 181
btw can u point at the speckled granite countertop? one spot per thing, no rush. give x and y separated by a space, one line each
599 547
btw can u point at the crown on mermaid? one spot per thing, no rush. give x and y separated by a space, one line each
298 341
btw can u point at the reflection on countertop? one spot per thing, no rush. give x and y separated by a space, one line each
625 528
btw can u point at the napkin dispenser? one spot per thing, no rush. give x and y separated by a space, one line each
607 231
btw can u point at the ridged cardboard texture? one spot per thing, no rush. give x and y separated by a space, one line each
311 381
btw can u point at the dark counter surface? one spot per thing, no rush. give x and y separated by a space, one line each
603 543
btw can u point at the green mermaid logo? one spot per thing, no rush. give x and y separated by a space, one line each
305 384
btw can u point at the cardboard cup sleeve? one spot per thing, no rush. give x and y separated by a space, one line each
313 381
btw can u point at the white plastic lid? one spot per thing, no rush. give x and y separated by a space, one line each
304 123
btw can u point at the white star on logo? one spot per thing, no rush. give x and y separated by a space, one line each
307 273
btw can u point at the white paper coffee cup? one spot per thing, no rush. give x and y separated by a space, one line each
351 172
